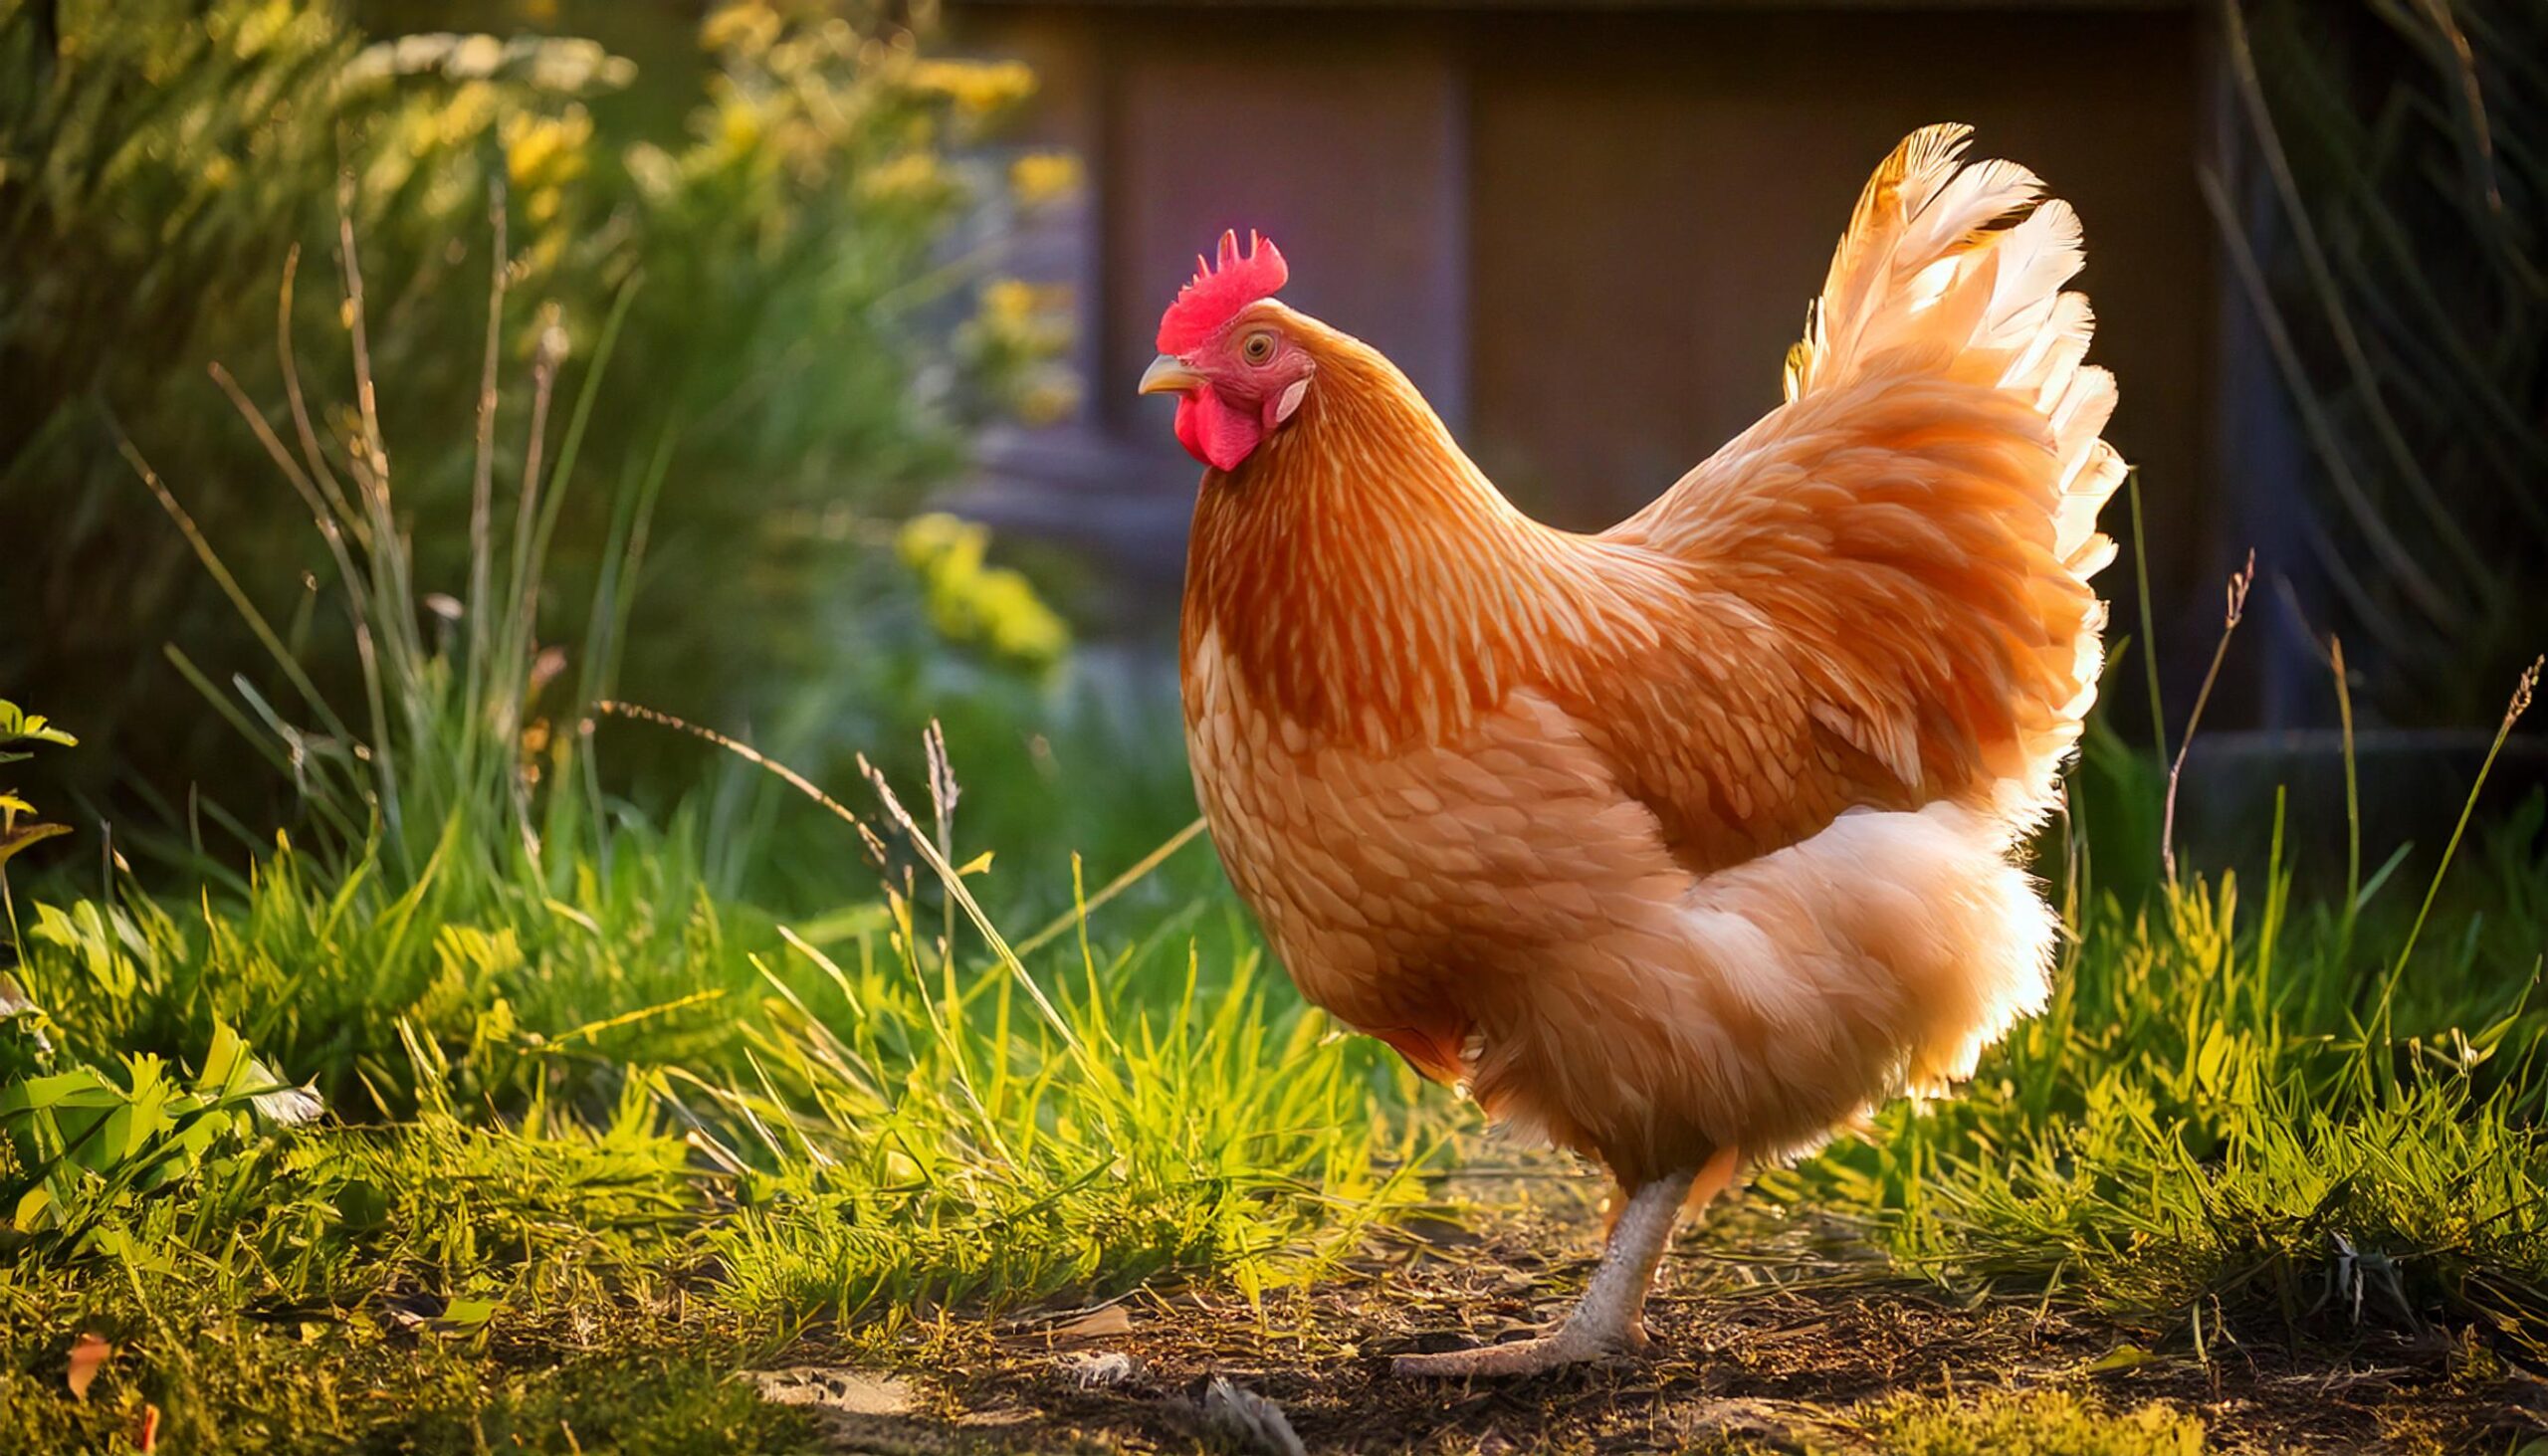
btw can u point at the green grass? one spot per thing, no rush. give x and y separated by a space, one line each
858 1174
2301 1117
552 1108
2041 1423
597 1129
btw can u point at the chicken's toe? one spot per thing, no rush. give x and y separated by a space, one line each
1570 1344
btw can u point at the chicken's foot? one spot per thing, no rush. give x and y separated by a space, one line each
1609 1320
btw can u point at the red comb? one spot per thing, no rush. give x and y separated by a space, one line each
1221 290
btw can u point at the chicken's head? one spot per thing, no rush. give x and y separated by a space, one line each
1237 372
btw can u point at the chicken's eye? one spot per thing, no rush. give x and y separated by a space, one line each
1256 348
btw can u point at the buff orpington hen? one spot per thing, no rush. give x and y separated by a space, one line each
1683 843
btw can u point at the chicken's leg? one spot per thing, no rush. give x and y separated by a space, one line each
1609 1320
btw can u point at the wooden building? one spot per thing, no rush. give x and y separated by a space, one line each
1588 233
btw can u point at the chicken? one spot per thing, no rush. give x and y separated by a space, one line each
1681 844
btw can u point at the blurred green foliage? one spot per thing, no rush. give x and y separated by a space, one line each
793 355
2391 239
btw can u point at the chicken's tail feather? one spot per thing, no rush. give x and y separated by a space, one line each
1917 523
1958 269
1970 258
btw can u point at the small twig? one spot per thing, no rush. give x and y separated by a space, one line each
955 887
545 359
943 795
740 749
389 552
367 397
2236 594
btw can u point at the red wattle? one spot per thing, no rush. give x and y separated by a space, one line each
1186 426
1215 433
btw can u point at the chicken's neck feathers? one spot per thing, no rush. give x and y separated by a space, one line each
1367 580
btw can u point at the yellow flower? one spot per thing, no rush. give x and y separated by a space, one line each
1028 316
746 29
913 174
545 151
1015 620
1052 397
1009 303
1040 180
977 88
738 124
969 601
929 538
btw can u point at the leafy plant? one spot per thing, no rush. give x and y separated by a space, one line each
793 341
87 1142
581 1087
79 1139
19 828
471 922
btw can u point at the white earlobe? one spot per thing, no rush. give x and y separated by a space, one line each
1291 400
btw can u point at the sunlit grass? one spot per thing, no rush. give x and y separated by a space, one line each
2045 1423
837 1126
2286 1114
583 1106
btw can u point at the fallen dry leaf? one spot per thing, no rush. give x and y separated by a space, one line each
837 1389
88 1356
1097 1325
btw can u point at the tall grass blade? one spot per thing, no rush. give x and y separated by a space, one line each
2519 705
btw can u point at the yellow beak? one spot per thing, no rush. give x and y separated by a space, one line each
1168 375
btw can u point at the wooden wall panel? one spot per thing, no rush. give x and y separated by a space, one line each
1350 158
1654 198
1590 236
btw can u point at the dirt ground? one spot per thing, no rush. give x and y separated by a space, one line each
1769 1333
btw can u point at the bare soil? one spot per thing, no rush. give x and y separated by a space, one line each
1770 1332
